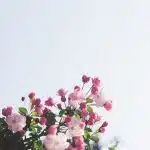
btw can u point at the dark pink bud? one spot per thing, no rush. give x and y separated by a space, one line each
31 95
83 106
93 115
108 105
22 132
96 81
102 129
94 90
85 79
7 111
59 106
49 102
91 121
43 121
62 92
46 110
37 120
52 130
76 88
63 99
23 98
68 120
105 124
37 102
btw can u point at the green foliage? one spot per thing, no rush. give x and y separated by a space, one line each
89 109
38 145
22 110
95 138
89 100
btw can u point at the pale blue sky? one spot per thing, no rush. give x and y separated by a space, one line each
49 44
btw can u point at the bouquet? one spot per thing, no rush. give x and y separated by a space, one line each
69 123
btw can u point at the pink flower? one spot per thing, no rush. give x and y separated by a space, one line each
31 95
49 102
77 95
16 122
46 110
56 142
36 102
67 120
85 79
95 90
61 92
7 111
84 113
96 81
75 128
79 142
100 100
43 121
52 130
39 109
108 105
76 98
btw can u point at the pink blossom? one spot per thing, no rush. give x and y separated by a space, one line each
67 120
77 95
100 100
7 111
79 142
84 113
76 98
49 102
93 115
16 122
39 109
31 95
56 142
95 90
75 128
52 130
85 79
108 105
36 102
43 121
46 110
61 92
96 81
22 132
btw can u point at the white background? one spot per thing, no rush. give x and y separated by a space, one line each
45 45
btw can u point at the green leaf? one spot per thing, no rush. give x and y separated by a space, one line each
89 109
86 134
112 148
89 100
95 138
22 110
77 116
88 129
34 114
61 113
38 145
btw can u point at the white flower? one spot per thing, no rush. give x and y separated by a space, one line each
75 128
56 142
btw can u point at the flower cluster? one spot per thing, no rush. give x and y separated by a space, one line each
63 124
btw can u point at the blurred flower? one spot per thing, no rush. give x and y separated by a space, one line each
85 79
7 111
16 122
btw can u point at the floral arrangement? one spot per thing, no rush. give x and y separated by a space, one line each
68 124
